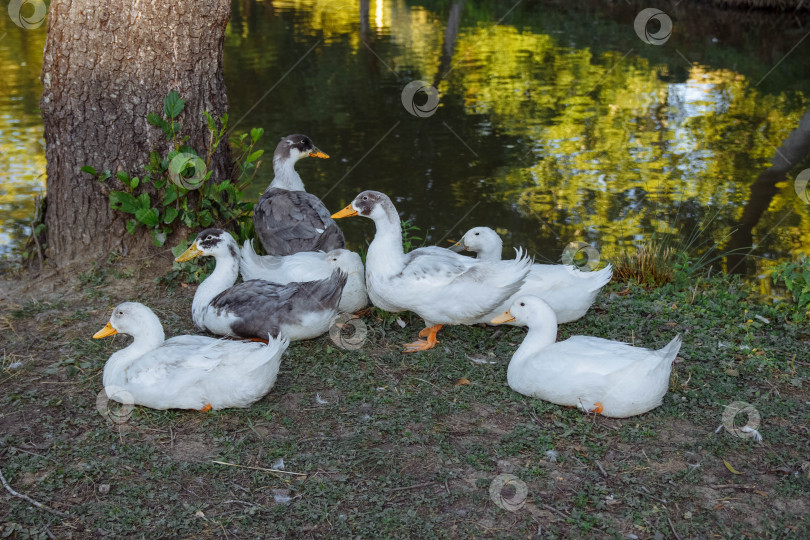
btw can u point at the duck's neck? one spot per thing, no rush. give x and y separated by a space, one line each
538 338
115 368
490 253
286 175
223 277
385 254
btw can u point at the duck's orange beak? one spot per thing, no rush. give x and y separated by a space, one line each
189 254
318 153
346 212
504 317
108 330
458 247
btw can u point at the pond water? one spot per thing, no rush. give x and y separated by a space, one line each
554 124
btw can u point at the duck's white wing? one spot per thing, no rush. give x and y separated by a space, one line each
446 288
183 359
587 354
436 265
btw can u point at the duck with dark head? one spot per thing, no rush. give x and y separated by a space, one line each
287 219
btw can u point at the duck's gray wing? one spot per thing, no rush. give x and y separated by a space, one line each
261 307
287 222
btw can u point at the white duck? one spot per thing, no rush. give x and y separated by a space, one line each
309 266
440 286
185 372
253 309
287 219
568 290
597 375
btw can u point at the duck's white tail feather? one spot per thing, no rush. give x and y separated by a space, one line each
252 265
670 350
272 352
600 278
513 275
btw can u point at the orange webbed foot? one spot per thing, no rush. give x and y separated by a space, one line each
597 408
206 408
423 345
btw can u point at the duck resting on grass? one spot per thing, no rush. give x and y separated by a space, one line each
595 374
568 290
185 372
309 266
256 308
287 219
440 286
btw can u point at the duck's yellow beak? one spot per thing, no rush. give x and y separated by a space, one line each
504 317
346 212
189 254
458 246
108 330
318 153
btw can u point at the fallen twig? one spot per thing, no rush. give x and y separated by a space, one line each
30 500
744 487
258 468
415 486
601 469
671 526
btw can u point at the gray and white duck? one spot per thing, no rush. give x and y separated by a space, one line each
287 219
256 308
437 284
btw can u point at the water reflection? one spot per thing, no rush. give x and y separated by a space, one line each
22 152
552 126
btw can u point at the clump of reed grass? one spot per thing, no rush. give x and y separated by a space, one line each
652 264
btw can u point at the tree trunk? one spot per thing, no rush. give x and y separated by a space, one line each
790 154
106 66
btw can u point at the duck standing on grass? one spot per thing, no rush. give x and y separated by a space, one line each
595 374
287 219
440 286
185 372
568 290
255 308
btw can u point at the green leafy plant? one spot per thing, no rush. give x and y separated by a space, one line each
795 276
409 236
176 188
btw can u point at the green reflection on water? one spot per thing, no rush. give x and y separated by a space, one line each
552 126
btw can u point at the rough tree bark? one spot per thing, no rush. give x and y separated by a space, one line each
106 65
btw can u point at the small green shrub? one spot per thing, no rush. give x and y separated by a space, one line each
176 188
795 276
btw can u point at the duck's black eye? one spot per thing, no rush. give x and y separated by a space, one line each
120 312
476 234
522 304
365 197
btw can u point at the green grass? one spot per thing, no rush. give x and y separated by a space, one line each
399 450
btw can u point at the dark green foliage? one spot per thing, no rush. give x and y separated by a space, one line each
177 190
